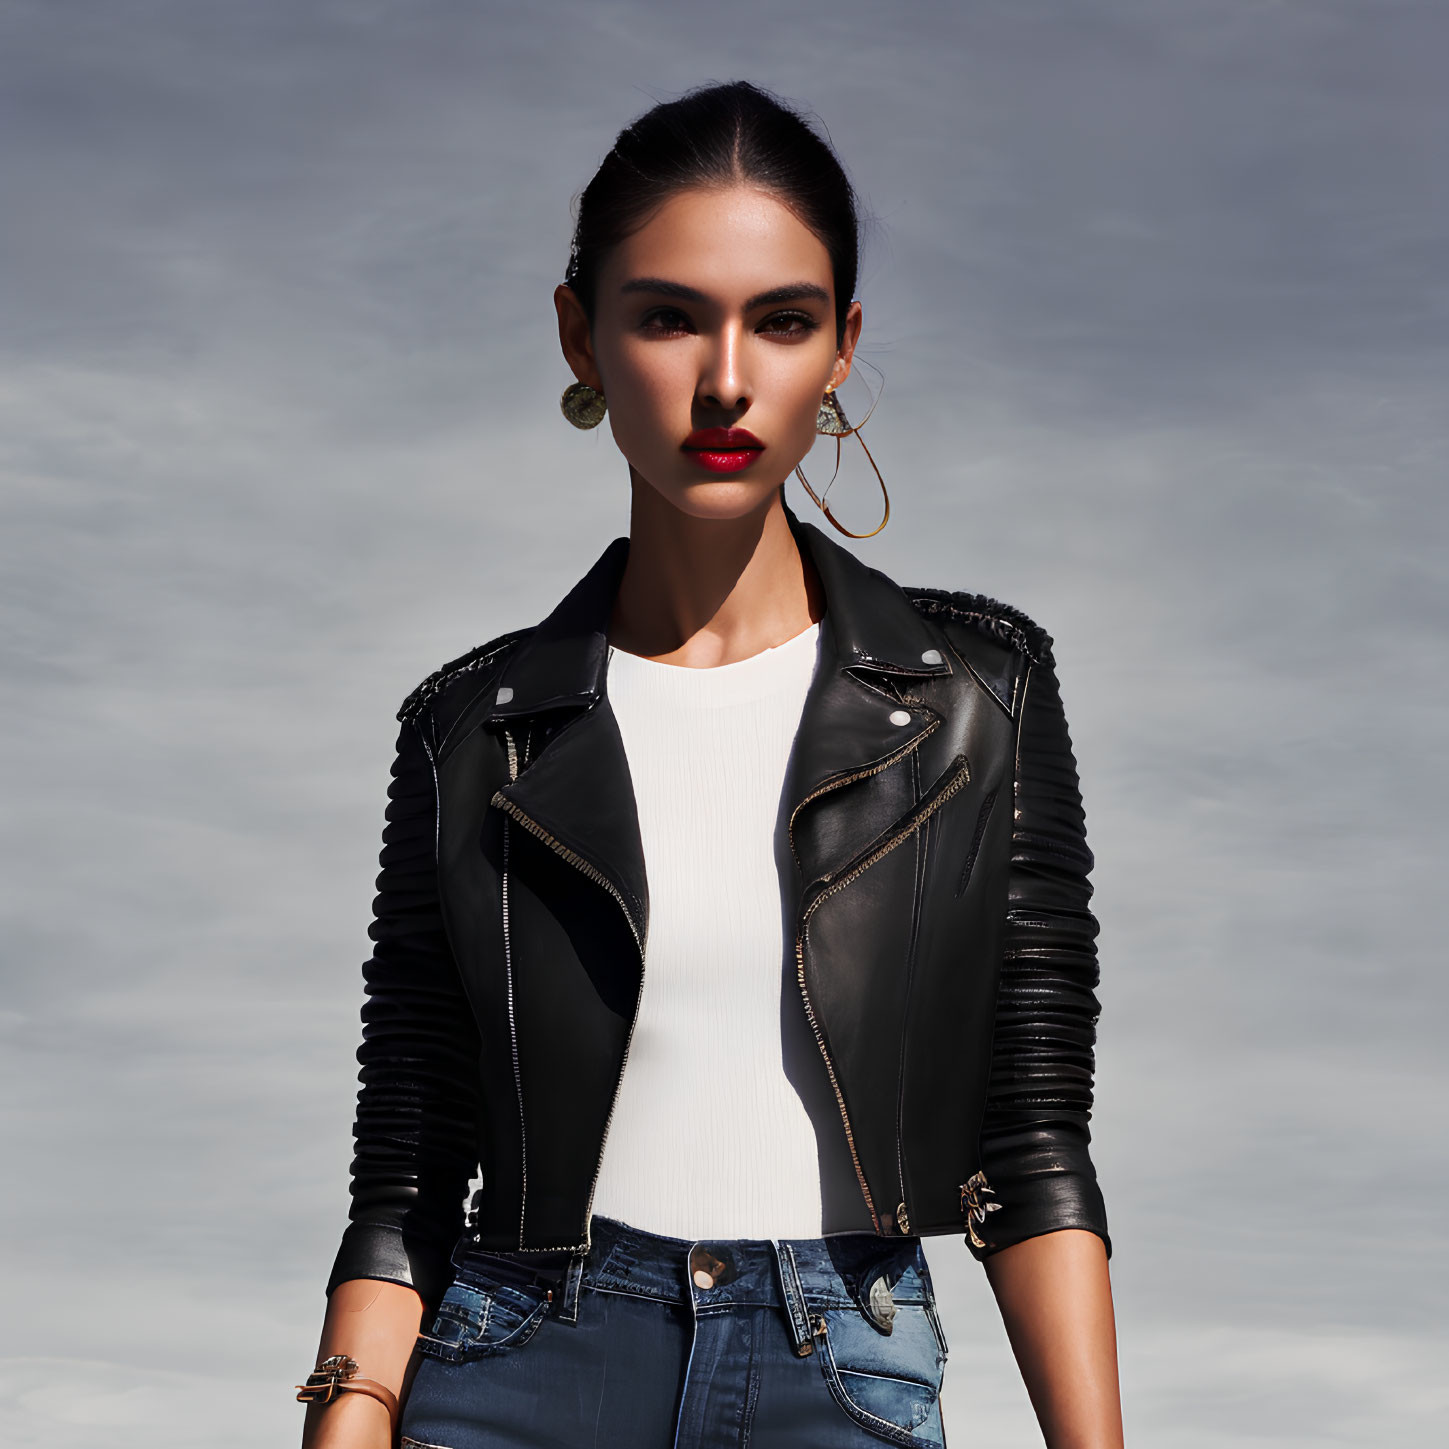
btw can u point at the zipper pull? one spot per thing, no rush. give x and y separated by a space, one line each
974 1192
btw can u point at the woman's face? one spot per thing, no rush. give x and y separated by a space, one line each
713 341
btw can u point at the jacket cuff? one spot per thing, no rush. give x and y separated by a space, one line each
1042 1181
376 1250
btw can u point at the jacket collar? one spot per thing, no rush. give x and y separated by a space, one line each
869 624
576 791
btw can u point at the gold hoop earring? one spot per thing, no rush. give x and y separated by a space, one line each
583 405
832 422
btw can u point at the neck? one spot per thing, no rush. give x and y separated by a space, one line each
701 592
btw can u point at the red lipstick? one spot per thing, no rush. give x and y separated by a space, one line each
723 450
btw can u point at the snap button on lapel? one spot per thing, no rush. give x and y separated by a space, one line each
931 656
900 717
504 694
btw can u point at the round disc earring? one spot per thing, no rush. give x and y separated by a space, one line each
583 405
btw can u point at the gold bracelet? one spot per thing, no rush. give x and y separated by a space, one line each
338 1375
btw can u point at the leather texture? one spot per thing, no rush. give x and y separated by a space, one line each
945 945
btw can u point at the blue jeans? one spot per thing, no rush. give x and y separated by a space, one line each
649 1341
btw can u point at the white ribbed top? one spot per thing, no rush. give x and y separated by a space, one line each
709 1136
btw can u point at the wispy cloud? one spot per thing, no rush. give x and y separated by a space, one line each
1158 296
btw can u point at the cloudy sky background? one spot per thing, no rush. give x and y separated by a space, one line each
1159 294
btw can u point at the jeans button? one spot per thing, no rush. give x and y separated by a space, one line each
881 1305
706 1269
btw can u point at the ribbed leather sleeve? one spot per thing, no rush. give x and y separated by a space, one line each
1034 1139
415 1132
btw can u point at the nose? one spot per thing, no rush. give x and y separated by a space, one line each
723 384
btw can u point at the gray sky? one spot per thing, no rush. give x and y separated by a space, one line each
1159 295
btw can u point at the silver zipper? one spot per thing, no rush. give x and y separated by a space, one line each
512 1020
836 781
599 878
837 884
903 1219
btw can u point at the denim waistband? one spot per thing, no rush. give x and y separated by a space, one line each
804 1276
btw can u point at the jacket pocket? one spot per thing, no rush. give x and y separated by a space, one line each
476 1319
889 1383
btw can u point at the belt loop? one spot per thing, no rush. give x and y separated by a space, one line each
794 1292
569 1312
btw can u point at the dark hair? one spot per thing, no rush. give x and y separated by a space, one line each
716 136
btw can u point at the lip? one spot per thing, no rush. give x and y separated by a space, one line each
723 450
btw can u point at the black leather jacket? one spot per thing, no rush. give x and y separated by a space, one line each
944 945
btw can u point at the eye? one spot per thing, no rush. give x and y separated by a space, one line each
789 324
665 322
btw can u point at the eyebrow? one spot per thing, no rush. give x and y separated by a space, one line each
790 292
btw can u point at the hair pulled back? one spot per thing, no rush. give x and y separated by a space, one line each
717 135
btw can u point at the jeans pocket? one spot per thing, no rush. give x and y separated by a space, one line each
476 1319
889 1384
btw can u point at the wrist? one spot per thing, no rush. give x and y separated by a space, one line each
350 1421
339 1378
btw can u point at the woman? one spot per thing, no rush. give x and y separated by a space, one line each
854 985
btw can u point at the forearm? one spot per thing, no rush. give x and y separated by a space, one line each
377 1324
1055 1296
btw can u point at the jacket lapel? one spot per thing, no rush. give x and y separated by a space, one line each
574 789
863 718
578 797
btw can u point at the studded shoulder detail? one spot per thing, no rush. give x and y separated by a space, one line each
988 616
469 663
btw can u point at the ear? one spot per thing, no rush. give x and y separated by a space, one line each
854 317
573 336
